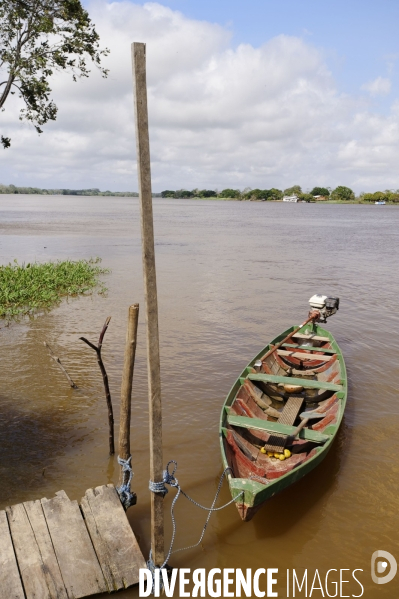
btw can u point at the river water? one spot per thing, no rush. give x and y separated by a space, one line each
231 276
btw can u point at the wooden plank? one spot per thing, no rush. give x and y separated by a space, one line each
96 539
116 546
38 565
312 337
275 427
76 557
298 372
303 356
291 410
288 380
10 582
37 521
316 349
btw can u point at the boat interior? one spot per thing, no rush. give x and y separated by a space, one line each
283 409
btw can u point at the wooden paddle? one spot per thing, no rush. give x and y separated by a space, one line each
305 417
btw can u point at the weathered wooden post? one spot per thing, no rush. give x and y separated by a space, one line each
150 292
126 390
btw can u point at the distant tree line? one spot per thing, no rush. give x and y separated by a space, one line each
389 195
273 194
247 194
184 193
65 192
340 193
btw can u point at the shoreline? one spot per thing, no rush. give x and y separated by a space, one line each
212 199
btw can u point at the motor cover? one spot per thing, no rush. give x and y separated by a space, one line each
318 301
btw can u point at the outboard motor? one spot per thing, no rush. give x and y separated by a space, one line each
326 306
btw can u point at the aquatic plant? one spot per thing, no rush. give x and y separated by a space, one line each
27 288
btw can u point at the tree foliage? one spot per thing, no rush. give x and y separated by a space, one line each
207 193
7 189
386 196
5 142
342 193
320 191
246 194
183 193
264 194
275 194
257 194
38 37
230 193
306 197
294 190
168 193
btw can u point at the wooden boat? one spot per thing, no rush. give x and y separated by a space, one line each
287 383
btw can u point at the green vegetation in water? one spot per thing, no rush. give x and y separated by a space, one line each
25 289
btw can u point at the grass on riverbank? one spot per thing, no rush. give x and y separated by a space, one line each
26 288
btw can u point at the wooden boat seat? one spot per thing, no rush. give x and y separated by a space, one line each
295 372
303 356
311 337
289 380
315 349
276 427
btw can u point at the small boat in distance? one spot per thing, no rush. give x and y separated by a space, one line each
283 412
381 202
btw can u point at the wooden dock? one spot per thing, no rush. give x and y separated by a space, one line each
56 549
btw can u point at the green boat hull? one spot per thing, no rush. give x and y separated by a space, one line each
251 494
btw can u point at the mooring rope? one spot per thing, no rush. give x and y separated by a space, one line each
158 487
127 497
170 479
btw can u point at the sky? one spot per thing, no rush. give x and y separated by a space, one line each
254 94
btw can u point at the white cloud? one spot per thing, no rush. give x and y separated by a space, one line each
219 116
378 87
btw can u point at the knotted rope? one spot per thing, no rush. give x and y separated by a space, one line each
127 497
170 479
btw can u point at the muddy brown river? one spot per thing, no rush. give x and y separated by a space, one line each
231 276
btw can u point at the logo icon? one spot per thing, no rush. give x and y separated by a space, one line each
383 558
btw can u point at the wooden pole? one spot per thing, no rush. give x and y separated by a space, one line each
150 292
126 390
